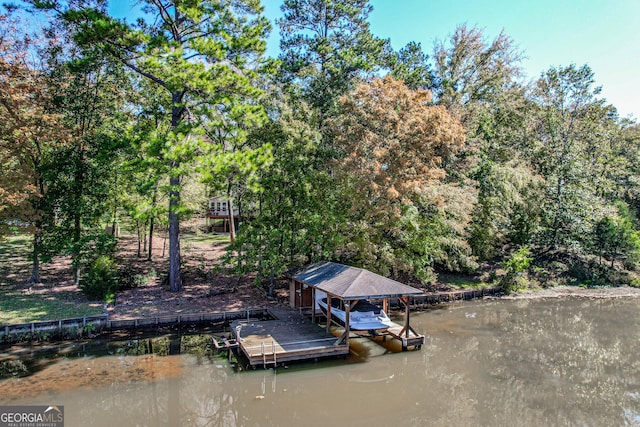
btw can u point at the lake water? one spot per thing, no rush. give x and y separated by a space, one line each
492 363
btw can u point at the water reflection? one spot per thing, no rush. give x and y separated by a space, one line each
554 362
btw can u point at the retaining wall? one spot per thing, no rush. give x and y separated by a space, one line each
102 322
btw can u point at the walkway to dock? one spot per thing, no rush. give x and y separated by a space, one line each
291 337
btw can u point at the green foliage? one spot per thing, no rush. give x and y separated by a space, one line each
328 47
331 164
204 57
101 279
295 220
128 279
508 210
515 266
411 65
571 126
519 261
615 236
471 70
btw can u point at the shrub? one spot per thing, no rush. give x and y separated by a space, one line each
515 266
129 279
101 279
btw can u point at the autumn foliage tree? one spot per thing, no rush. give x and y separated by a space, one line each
28 133
392 142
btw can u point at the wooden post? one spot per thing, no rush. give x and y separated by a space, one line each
292 293
347 330
405 300
313 305
300 298
385 305
328 312
345 336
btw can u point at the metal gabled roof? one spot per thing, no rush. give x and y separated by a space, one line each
347 282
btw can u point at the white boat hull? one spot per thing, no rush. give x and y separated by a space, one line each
358 320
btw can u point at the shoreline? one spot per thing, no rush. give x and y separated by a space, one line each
564 291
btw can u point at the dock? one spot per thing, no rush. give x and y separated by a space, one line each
408 339
291 337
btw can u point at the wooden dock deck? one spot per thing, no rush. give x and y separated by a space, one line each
289 338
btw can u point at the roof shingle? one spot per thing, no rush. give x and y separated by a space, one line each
347 282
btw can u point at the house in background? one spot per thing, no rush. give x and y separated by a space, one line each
217 216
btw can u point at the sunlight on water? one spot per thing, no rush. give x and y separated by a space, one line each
544 362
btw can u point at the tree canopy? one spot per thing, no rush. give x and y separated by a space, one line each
406 162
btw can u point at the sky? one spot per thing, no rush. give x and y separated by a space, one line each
605 34
602 33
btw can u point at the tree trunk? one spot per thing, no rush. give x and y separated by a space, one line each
139 238
272 284
76 240
232 227
151 224
144 235
239 211
115 220
175 278
37 242
154 201
164 242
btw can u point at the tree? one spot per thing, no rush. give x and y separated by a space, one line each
88 94
201 53
411 65
508 208
622 167
326 48
29 132
570 129
472 70
615 236
293 220
392 142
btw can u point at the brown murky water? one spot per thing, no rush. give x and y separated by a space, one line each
492 363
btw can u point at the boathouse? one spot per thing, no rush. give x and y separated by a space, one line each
352 284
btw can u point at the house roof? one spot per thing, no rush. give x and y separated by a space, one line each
347 282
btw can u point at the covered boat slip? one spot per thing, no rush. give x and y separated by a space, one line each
352 285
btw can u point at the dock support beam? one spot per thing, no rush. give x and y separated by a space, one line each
328 313
345 336
405 300
313 305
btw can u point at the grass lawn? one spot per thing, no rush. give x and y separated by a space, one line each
22 303
18 307
207 238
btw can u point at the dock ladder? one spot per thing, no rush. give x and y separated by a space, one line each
272 355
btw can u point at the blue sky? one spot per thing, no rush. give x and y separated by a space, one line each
602 33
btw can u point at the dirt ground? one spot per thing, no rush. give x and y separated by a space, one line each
204 289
